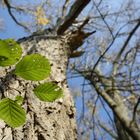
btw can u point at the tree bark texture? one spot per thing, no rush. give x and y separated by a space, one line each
45 121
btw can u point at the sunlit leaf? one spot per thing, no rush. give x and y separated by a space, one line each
10 52
19 100
33 67
12 113
48 92
4 49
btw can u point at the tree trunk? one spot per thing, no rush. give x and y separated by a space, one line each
45 121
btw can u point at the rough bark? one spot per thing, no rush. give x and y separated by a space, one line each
45 121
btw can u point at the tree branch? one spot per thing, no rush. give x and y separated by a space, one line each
75 10
9 7
127 40
135 109
64 8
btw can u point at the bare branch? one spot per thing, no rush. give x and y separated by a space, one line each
103 18
12 16
65 8
75 10
127 40
135 110
107 130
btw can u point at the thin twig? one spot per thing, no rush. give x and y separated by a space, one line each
103 18
64 8
9 7
127 40
135 109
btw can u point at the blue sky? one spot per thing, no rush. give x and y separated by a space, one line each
10 29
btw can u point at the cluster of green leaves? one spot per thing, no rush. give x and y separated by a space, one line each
34 67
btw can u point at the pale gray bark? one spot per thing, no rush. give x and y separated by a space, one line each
45 121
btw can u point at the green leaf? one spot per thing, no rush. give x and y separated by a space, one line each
48 92
19 100
10 52
33 67
4 49
12 113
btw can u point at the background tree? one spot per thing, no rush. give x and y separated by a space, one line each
109 61
110 67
